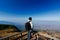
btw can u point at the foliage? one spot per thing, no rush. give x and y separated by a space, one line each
5 26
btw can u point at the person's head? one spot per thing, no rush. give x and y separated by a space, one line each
52 39
30 18
38 34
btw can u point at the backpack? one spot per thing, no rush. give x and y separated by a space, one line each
28 26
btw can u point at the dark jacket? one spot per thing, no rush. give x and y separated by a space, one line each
28 26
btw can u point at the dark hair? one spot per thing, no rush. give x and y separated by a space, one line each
30 18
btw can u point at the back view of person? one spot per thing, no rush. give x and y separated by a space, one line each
29 26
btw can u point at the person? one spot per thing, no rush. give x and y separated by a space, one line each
29 27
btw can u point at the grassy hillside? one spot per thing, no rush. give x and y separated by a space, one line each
5 26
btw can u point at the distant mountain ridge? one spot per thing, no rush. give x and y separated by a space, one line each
19 26
38 25
44 25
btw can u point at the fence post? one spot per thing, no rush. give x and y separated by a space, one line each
21 36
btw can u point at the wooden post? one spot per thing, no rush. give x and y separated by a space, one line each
21 36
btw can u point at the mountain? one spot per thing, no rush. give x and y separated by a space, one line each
38 25
16 25
44 25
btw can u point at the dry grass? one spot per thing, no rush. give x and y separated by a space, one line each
6 32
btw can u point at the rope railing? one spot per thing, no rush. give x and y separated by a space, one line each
7 37
22 36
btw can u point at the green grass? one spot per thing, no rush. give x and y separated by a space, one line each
3 27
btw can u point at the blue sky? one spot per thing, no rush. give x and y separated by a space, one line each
22 9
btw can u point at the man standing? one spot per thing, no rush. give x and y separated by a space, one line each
29 27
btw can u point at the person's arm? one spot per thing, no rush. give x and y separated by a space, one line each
32 26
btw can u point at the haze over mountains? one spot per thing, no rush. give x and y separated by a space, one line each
47 25
39 25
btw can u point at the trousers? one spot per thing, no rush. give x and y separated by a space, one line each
29 34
